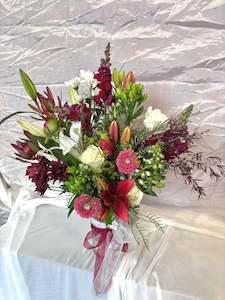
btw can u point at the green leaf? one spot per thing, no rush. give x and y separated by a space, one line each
13 114
138 112
70 159
185 115
116 77
70 205
71 209
122 75
151 193
109 217
28 85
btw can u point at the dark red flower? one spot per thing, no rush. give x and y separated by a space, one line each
107 147
173 142
174 150
27 148
116 197
47 103
73 112
38 173
57 170
85 117
79 112
152 140
24 150
104 84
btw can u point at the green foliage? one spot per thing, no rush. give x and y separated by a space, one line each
70 205
80 180
118 77
185 115
28 85
49 143
110 171
130 101
14 114
151 174
109 217
140 222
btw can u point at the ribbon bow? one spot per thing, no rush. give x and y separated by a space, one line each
108 253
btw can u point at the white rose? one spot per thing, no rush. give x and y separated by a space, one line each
135 196
153 117
92 156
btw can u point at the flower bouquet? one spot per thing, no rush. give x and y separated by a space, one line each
107 151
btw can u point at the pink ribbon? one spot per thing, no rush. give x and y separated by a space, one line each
101 238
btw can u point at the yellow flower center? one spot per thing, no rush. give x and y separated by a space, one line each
87 206
127 161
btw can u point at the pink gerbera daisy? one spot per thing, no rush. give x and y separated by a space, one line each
87 206
127 161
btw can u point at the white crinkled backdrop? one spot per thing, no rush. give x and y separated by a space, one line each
176 48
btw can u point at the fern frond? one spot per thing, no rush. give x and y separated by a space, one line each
140 222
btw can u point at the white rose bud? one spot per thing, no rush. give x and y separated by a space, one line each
153 117
135 196
92 156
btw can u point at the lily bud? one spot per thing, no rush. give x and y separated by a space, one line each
114 132
126 136
32 128
107 147
129 78
24 149
51 125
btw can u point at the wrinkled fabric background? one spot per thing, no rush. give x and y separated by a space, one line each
177 49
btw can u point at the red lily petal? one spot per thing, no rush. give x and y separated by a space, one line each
106 197
120 207
123 187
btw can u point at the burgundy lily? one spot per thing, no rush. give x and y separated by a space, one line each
26 148
47 103
116 197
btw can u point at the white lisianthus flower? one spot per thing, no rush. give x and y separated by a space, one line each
74 83
153 117
135 196
67 143
75 132
88 78
95 92
92 156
